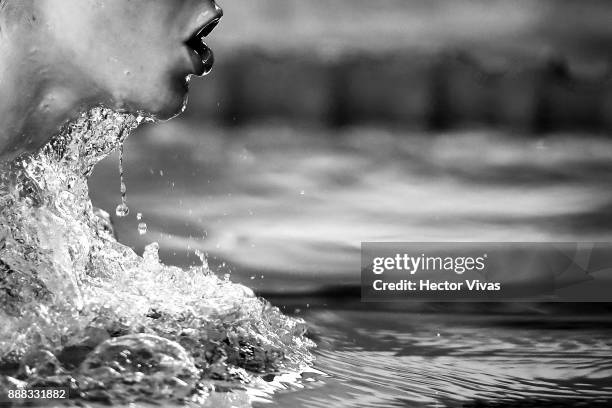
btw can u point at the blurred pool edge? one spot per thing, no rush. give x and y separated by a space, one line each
348 297
415 89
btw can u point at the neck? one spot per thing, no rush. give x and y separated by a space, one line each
35 102
32 113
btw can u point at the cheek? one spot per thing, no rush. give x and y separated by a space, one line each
137 66
144 80
148 64
116 53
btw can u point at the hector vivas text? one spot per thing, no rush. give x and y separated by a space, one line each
434 267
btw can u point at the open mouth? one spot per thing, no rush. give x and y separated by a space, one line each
203 56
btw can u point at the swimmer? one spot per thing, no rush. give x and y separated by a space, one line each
59 58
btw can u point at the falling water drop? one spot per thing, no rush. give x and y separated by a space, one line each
122 209
139 216
142 228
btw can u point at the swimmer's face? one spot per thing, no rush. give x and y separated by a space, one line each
132 54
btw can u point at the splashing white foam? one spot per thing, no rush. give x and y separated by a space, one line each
81 310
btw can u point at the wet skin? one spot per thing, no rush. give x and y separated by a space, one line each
61 57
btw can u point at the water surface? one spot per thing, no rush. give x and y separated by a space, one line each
286 208
454 359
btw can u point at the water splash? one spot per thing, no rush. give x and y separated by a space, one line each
81 310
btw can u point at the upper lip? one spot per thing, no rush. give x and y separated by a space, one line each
206 28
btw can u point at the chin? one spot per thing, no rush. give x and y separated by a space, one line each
164 102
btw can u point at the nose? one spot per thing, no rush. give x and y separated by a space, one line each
218 10
209 12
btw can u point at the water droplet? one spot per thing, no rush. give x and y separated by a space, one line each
302 192
142 228
122 210
139 216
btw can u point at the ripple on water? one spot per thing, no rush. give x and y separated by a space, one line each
407 359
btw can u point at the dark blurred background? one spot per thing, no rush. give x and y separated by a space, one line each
330 122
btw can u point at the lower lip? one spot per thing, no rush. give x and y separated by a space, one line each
202 63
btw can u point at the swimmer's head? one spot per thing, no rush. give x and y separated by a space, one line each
131 55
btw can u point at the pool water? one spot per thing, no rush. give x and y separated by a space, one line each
284 209
518 355
446 359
